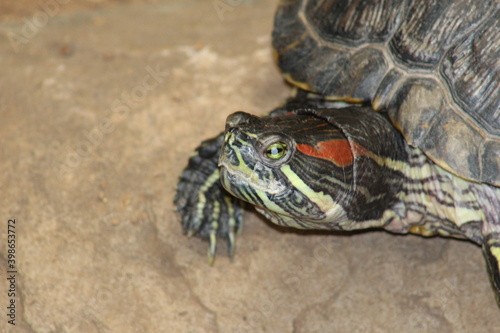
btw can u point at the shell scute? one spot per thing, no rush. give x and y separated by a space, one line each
432 26
355 22
472 70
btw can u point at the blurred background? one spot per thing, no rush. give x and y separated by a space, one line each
101 104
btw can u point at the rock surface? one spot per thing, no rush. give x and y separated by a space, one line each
100 108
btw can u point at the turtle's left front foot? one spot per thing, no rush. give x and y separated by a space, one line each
206 209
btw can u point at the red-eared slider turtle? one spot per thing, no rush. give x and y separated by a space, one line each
427 163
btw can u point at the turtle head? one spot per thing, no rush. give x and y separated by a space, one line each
295 169
251 156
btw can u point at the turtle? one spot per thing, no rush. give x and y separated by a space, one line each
393 123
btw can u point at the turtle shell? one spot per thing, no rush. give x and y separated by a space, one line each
433 65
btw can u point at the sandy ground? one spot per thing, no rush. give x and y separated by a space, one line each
101 105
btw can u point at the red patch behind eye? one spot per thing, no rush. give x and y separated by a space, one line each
337 151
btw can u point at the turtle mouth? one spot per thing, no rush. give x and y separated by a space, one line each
228 180
259 178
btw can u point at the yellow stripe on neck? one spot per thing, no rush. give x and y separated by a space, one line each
333 211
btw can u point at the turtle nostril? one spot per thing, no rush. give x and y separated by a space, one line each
238 118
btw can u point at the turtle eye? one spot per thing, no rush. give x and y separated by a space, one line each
276 150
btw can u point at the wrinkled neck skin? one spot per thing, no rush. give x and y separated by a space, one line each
435 202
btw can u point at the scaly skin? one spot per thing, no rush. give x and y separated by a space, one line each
206 209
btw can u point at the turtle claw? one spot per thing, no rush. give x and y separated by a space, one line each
212 247
231 243
231 240
207 210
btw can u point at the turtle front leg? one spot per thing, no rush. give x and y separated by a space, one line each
206 209
491 250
